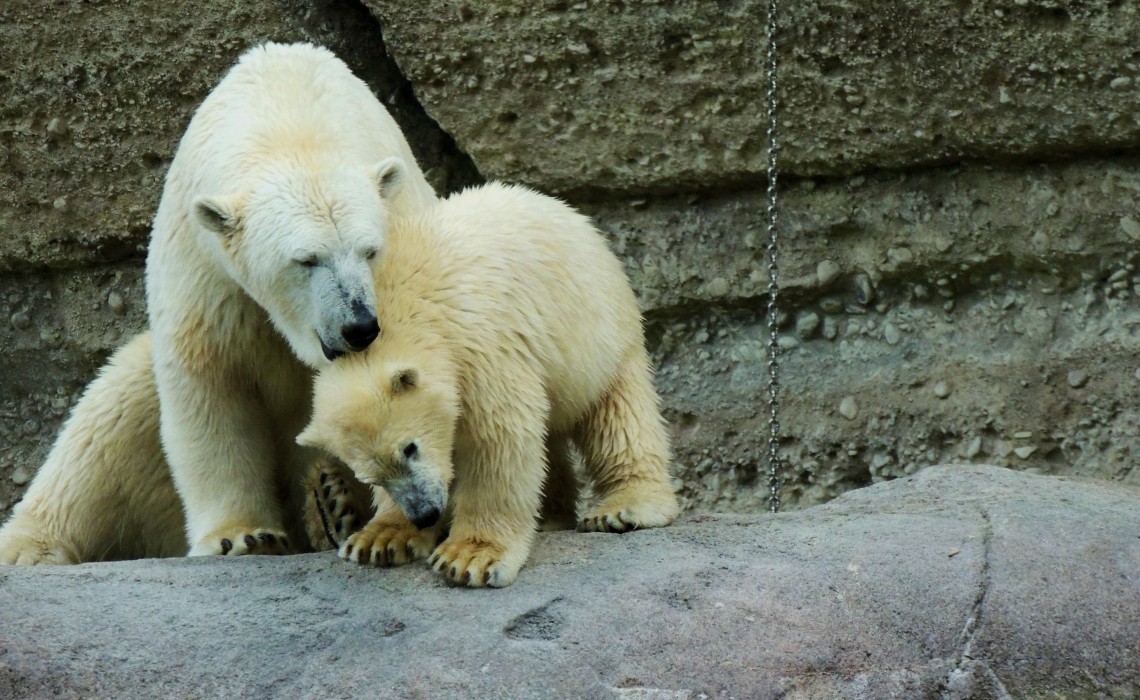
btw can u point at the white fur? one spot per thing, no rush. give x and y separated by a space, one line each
96 498
273 213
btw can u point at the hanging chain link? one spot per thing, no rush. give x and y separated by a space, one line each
774 462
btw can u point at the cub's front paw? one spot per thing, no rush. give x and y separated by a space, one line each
26 550
389 544
631 509
236 541
474 561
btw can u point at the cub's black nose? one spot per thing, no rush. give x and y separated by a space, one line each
426 519
360 333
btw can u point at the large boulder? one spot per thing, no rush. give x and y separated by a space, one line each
959 582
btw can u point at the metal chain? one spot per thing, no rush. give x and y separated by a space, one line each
774 462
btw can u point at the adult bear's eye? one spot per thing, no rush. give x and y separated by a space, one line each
410 450
310 261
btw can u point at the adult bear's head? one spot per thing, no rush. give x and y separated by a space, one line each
302 243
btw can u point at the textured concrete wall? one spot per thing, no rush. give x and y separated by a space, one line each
667 94
961 205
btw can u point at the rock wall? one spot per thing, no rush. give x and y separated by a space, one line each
960 205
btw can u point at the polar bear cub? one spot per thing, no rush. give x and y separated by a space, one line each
510 332
260 269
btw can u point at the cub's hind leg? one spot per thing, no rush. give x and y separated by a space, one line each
625 446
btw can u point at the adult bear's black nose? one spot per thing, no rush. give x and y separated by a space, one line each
361 332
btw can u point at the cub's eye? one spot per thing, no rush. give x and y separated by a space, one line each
410 450
371 254
309 261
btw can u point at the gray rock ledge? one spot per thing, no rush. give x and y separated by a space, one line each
958 582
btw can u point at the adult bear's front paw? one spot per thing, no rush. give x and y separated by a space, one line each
335 505
236 541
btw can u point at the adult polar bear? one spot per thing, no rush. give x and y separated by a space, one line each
274 211
260 270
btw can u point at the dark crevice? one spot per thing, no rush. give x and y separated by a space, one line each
964 662
969 630
685 308
447 167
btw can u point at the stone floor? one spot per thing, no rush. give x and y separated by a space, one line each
957 582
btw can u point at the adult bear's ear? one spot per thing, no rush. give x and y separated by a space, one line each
389 175
220 214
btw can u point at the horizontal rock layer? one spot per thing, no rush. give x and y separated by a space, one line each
658 96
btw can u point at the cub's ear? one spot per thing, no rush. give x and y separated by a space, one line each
404 380
312 437
220 214
389 175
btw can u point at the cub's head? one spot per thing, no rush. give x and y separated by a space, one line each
303 244
393 423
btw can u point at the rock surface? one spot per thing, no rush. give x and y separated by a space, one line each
958 582
660 96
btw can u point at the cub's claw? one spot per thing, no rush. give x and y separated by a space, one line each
631 509
606 522
389 544
473 562
335 505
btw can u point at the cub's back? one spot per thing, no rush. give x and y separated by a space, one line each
529 271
